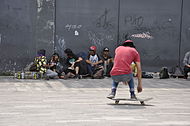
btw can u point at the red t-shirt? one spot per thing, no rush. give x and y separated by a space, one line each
124 56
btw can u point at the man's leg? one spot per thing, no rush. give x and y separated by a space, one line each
105 67
77 72
51 73
90 71
186 70
132 87
77 68
113 90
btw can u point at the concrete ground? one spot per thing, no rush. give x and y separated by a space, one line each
83 103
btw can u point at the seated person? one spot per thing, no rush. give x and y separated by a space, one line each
186 62
107 61
56 66
42 66
83 69
73 63
93 61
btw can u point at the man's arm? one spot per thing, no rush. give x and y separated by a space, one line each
99 62
88 61
139 76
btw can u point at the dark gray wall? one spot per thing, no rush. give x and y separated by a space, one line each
25 27
185 34
160 29
80 24
45 27
154 26
17 30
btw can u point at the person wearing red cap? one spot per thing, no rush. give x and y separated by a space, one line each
121 71
93 61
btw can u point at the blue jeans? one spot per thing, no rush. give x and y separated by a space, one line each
51 73
90 69
124 78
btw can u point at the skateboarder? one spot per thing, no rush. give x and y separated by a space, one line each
121 71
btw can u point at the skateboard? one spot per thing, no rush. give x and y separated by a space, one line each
142 101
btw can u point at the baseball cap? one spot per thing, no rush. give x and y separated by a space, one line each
92 48
106 49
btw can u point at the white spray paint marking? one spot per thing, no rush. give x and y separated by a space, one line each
76 33
143 35
72 26
0 38
61 42
61 45
39 5
98 41
49 25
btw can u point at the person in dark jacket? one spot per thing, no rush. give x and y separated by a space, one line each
73 63
186 62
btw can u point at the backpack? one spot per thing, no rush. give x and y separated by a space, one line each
83 55
146 75
164 73
83 70
83 65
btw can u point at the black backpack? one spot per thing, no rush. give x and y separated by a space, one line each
164 73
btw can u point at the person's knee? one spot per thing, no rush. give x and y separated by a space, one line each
53 74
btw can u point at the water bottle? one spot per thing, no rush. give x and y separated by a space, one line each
35 75
15 76
22 75
19 75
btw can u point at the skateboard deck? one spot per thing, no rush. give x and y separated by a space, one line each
142 101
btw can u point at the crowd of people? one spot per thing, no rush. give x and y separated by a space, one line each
74 65
84 64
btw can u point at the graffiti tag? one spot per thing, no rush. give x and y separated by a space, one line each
134 20
104 21
143 35
72 26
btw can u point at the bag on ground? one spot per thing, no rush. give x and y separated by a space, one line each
164 73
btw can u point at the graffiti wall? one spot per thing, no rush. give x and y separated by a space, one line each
80 24
160 29
155 27
25 27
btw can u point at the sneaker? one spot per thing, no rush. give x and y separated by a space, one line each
78 76
47 78
133 97
185 77
112 94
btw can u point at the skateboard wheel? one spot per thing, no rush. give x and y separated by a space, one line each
142 103
116 102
